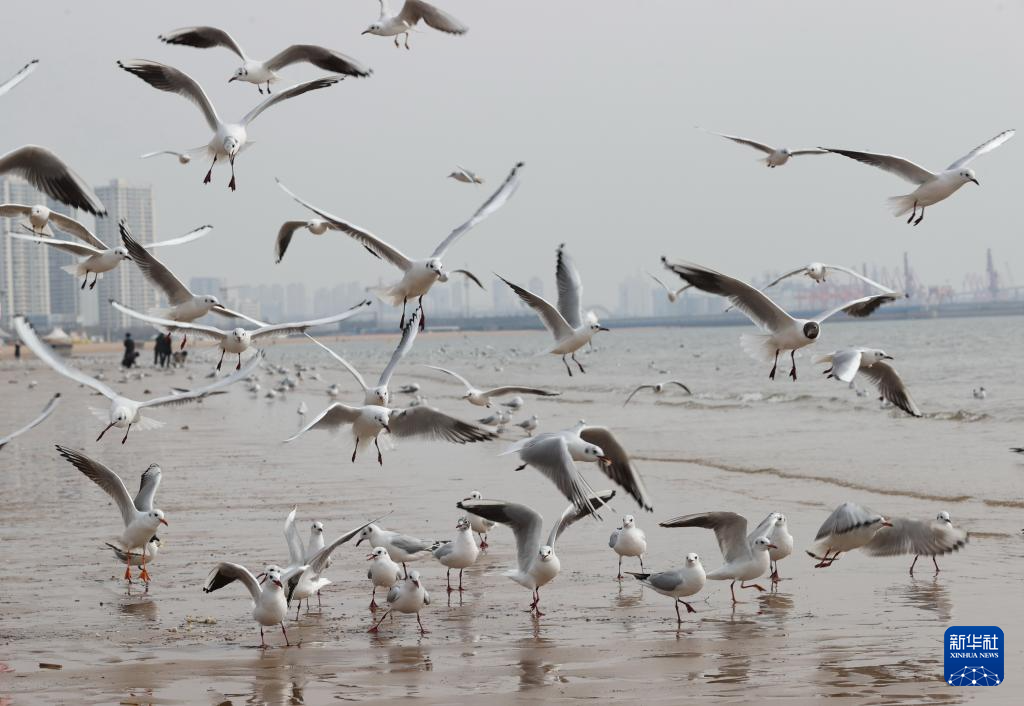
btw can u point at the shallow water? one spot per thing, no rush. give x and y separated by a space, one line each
863 629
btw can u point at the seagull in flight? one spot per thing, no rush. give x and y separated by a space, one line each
47 172
672 294
918 537
47 411
418 276
849 527
482 398
183 157
124 412
259 72
777 156
405 21
932 187
465 176
316 226
818 272
229 139
657 388
779 331
848 362
17 78
570 326
37 219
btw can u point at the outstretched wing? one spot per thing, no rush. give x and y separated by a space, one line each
570 288
862 278
76 249
155 271
791 273
571 514
344 363
981 149
326 59
202 38
415 10
301 326
201 330
284 237
169 79
862 307
620 467
926 538
846 518
148 484
296 550
496 201
759 146
47 172
292 92
518 390
180 240
454 374
17 78
180 397
47 411
549 454
526 523
891 387
70 225
225 573
322 558
334 416
641 387
106 479
412 326
549 316
903 168
42 351
434 424
730 531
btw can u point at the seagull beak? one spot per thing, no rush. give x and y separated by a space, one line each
163 522
277 583
360 542
772 546
886 523
369 556
387 428
365 31
887 357
975 181
233 78
465 499
605 460
603 328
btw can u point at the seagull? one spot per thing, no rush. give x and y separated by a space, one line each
529 425
980 393
498 419
517 403
146 556
47 411
183 157
818 271
677 584
746 558
536 564
918 537
185 306
380 395
777 156
554 454
412 12
238 340
460 553
124 412
672 294
303 411
479 524
465 176
570 326
628 540
657 388
775 528
229 139
779 331
316 226
419 275
383 572
409 596
849 527
259 72
47 172
38 218
270 606
846 363
482 398
931 187
141 519
400 547
17 78
410 389
97 257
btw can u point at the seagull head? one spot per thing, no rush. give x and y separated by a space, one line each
382 419
414 576
372 29
377 553
628 521
120 416
968 175
121 252
594 454
812 329
382 395
239 334
365 534
435 266
462 524
157 517
692 559
475 495
317 528
780 519
210 300
545 553
877 354
816 271
240 73
764 544
40 212
596 326
232 145
944 517
273 573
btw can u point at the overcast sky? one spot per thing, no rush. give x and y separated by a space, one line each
600 100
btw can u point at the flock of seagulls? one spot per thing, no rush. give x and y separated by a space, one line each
747 556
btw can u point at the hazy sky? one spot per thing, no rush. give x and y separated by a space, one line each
600 100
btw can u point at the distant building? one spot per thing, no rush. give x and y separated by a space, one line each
125 284
635 296
296 302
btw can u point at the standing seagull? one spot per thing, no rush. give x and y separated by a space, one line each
419 275
846 363
480 525
746 558
123 412
316 226
482 398
238 340
229 139
47 172
628 540
409 596
383 572
47 411
918 537
259 72
17 78
184 305
413 11
657 388
776 528
141 519
536 564
465 176
460 553
932 187
779 331
777 156
554 454
269 604
849 527
672 294
97 257
400 547
569 325
678 583
304 576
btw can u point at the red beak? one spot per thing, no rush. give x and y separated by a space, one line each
277 583
163 522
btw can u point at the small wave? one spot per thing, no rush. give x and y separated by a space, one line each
961 415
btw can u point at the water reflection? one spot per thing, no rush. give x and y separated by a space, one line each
927 594
139 609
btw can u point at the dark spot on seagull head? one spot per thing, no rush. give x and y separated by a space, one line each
812 329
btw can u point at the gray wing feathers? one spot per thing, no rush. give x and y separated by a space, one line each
526 524
730 530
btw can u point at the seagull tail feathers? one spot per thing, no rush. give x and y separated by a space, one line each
900 205
758 346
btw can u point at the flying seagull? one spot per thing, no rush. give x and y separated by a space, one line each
872 363
657 388
918 537
183 157
672 294
47 172
465 176
17 78
849 527
482 398
316 226
405 21
777 156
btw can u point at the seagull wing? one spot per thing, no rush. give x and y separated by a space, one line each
17 78
322 558
891 387
296 550
791 273
334 416
862 307
47 411
518 390
759 146
232 314
641 387
188 395
412 326
148 484
48 173
415 10
226 572
469 275
762 529
903 168
807 150
663 285
170 79
571 514
292 92
570 288
180 240
858 275
549 454
203 38
77 249
42 351
202 330
549 316
344 363
435 424
526 523
105 478
326 59
755 304
364 237
466 383
14 210
676 382
70 225
846 518
155 271
730 531
284 237
301 326
981 149
924 537
621 468
846 363
496 201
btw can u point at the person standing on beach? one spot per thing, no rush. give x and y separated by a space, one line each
157 348
129 351
17 350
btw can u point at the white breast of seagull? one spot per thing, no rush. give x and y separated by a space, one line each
744 568
782 540
543 572
631 542
272 607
